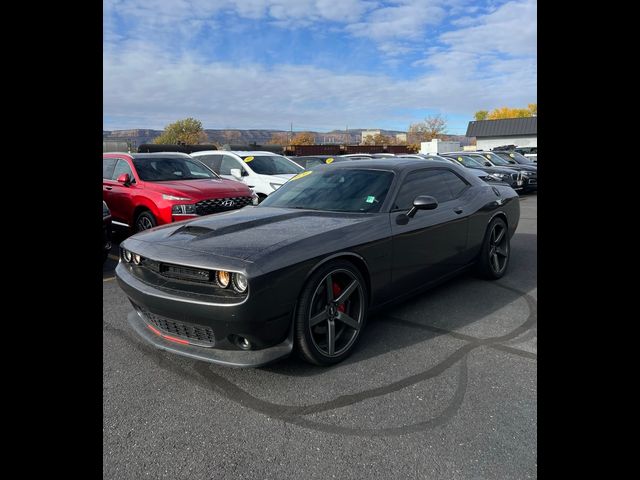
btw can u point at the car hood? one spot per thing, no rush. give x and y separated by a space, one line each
201 189
250 232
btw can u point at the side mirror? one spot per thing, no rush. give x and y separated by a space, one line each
422 202
236 173
487 163
125 179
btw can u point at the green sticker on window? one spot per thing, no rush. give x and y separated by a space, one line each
370 199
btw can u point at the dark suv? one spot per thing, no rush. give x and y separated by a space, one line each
143 190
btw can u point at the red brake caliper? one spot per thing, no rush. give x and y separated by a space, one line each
336 293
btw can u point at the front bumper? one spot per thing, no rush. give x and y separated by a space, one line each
261 319
231 358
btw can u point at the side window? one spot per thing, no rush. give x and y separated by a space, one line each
108 164
423 182
122 167
227 164
211 161
455 183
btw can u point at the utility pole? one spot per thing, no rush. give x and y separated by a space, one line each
291 133
346 135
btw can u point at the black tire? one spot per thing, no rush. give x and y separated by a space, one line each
144 221
342 321
496 250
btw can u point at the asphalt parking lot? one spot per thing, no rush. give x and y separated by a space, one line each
441 387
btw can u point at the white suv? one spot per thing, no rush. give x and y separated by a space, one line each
264 172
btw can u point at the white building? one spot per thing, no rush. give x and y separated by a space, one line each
438 146
521 132
401 137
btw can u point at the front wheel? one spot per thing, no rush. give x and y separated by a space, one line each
145 221
330 314
494 256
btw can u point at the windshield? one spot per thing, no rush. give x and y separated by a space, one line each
156 169
518 157
271 164
467 161
334 189
495 159
505 155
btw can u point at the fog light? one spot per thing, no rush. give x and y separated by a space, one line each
136 259
223 278
127 255
243 343
239 282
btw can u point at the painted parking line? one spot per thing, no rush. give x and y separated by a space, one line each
114 257
108 279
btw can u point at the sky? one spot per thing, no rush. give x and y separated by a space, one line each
317 64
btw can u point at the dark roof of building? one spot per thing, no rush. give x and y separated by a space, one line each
503 127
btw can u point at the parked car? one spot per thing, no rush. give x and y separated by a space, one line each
529 173
106 231
262 171
510 176
303 269
515 158
148 189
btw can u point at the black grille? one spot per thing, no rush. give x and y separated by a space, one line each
192 332
214 205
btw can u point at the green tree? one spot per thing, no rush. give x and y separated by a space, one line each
187 131
481 115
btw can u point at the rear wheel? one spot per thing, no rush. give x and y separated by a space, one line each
144 221
494 256
330 314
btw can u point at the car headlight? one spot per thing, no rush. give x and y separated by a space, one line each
239 282
105 210
526 173
275 186
171 197
182 209
126 254
223 278
496 177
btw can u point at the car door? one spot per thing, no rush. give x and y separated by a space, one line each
108 165
121 196
228 163
434 242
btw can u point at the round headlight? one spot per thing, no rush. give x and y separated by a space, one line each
223 278
136 259
239 282
127 255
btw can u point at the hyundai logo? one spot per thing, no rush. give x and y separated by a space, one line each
228 203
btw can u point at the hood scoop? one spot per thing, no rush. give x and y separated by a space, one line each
194 230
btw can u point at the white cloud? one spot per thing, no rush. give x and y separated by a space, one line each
150 84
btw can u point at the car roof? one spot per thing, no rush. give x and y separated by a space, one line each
394 164
159 155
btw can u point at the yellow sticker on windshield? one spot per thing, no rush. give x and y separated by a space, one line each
248 159
329 160
511 155
303 174
459 159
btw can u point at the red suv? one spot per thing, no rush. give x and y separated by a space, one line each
143 190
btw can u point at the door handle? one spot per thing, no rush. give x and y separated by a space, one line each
109 188
458 210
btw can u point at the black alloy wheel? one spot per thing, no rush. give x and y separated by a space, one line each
496 248
331 313
145 221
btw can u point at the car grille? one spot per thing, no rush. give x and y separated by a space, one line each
214 205
196 334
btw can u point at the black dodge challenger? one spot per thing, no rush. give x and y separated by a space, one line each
301 271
